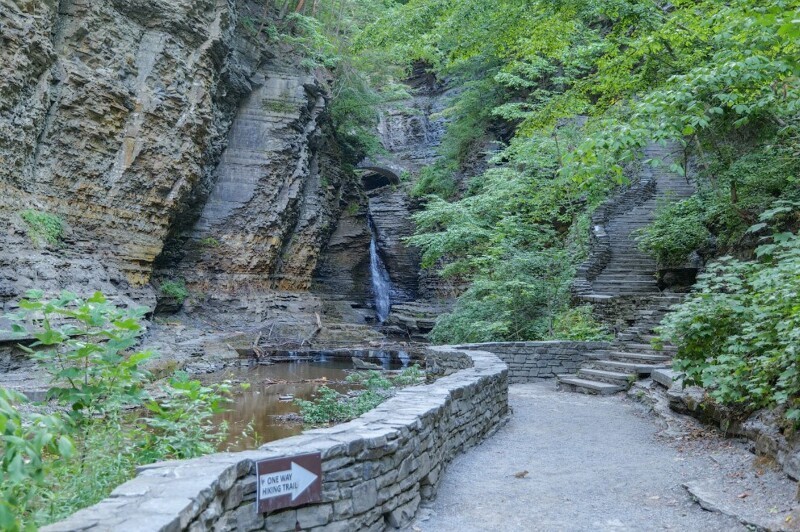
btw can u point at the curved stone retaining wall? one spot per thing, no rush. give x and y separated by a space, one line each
529 361
376 469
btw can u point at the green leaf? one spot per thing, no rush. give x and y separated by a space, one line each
25 304
757 227
34 294
97 297
65 447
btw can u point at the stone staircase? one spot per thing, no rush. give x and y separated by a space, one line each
620 275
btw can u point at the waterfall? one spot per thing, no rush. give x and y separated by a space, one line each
381 284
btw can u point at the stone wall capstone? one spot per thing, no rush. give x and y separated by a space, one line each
376 469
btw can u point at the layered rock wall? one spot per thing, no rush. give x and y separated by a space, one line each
279 191
410 134
111 115
115 117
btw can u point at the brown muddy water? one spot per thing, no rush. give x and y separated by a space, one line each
259 414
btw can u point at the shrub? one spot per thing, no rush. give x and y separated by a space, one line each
331 406
27 442
87 346
517 300
175 289
579 324
43 227
181 426
436 180
738 333
84 346
677 231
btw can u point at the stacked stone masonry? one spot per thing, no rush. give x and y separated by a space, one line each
528 361
376 469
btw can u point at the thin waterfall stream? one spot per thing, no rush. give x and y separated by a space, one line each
381 284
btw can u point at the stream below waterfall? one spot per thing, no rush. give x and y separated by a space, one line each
266 410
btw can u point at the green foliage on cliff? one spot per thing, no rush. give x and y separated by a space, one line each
175 289
678 230
43 227
53 465
719 78
322 33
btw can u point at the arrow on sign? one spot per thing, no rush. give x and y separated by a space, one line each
294 481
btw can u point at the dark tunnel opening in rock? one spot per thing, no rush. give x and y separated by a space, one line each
375 178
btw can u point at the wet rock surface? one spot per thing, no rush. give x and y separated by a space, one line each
390 210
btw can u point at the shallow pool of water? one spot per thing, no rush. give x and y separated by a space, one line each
256 415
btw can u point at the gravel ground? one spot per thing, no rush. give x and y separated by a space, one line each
593 463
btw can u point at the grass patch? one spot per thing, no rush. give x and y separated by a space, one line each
43 227
175 289
279 107
209 242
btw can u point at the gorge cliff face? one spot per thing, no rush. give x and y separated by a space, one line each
169 139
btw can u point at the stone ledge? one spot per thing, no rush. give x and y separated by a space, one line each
376 469
764 427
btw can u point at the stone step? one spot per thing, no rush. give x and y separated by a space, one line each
619 264
572 383
640 278
624 289
609 377
602 280
629 255
616 291
621 257
647 358
648 348
633 220
626 271
620 261
637 368
666 377
649 338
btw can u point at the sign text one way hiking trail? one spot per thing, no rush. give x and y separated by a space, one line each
289 482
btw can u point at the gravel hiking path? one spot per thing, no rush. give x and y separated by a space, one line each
593 463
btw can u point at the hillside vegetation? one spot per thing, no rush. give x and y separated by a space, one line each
721 78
